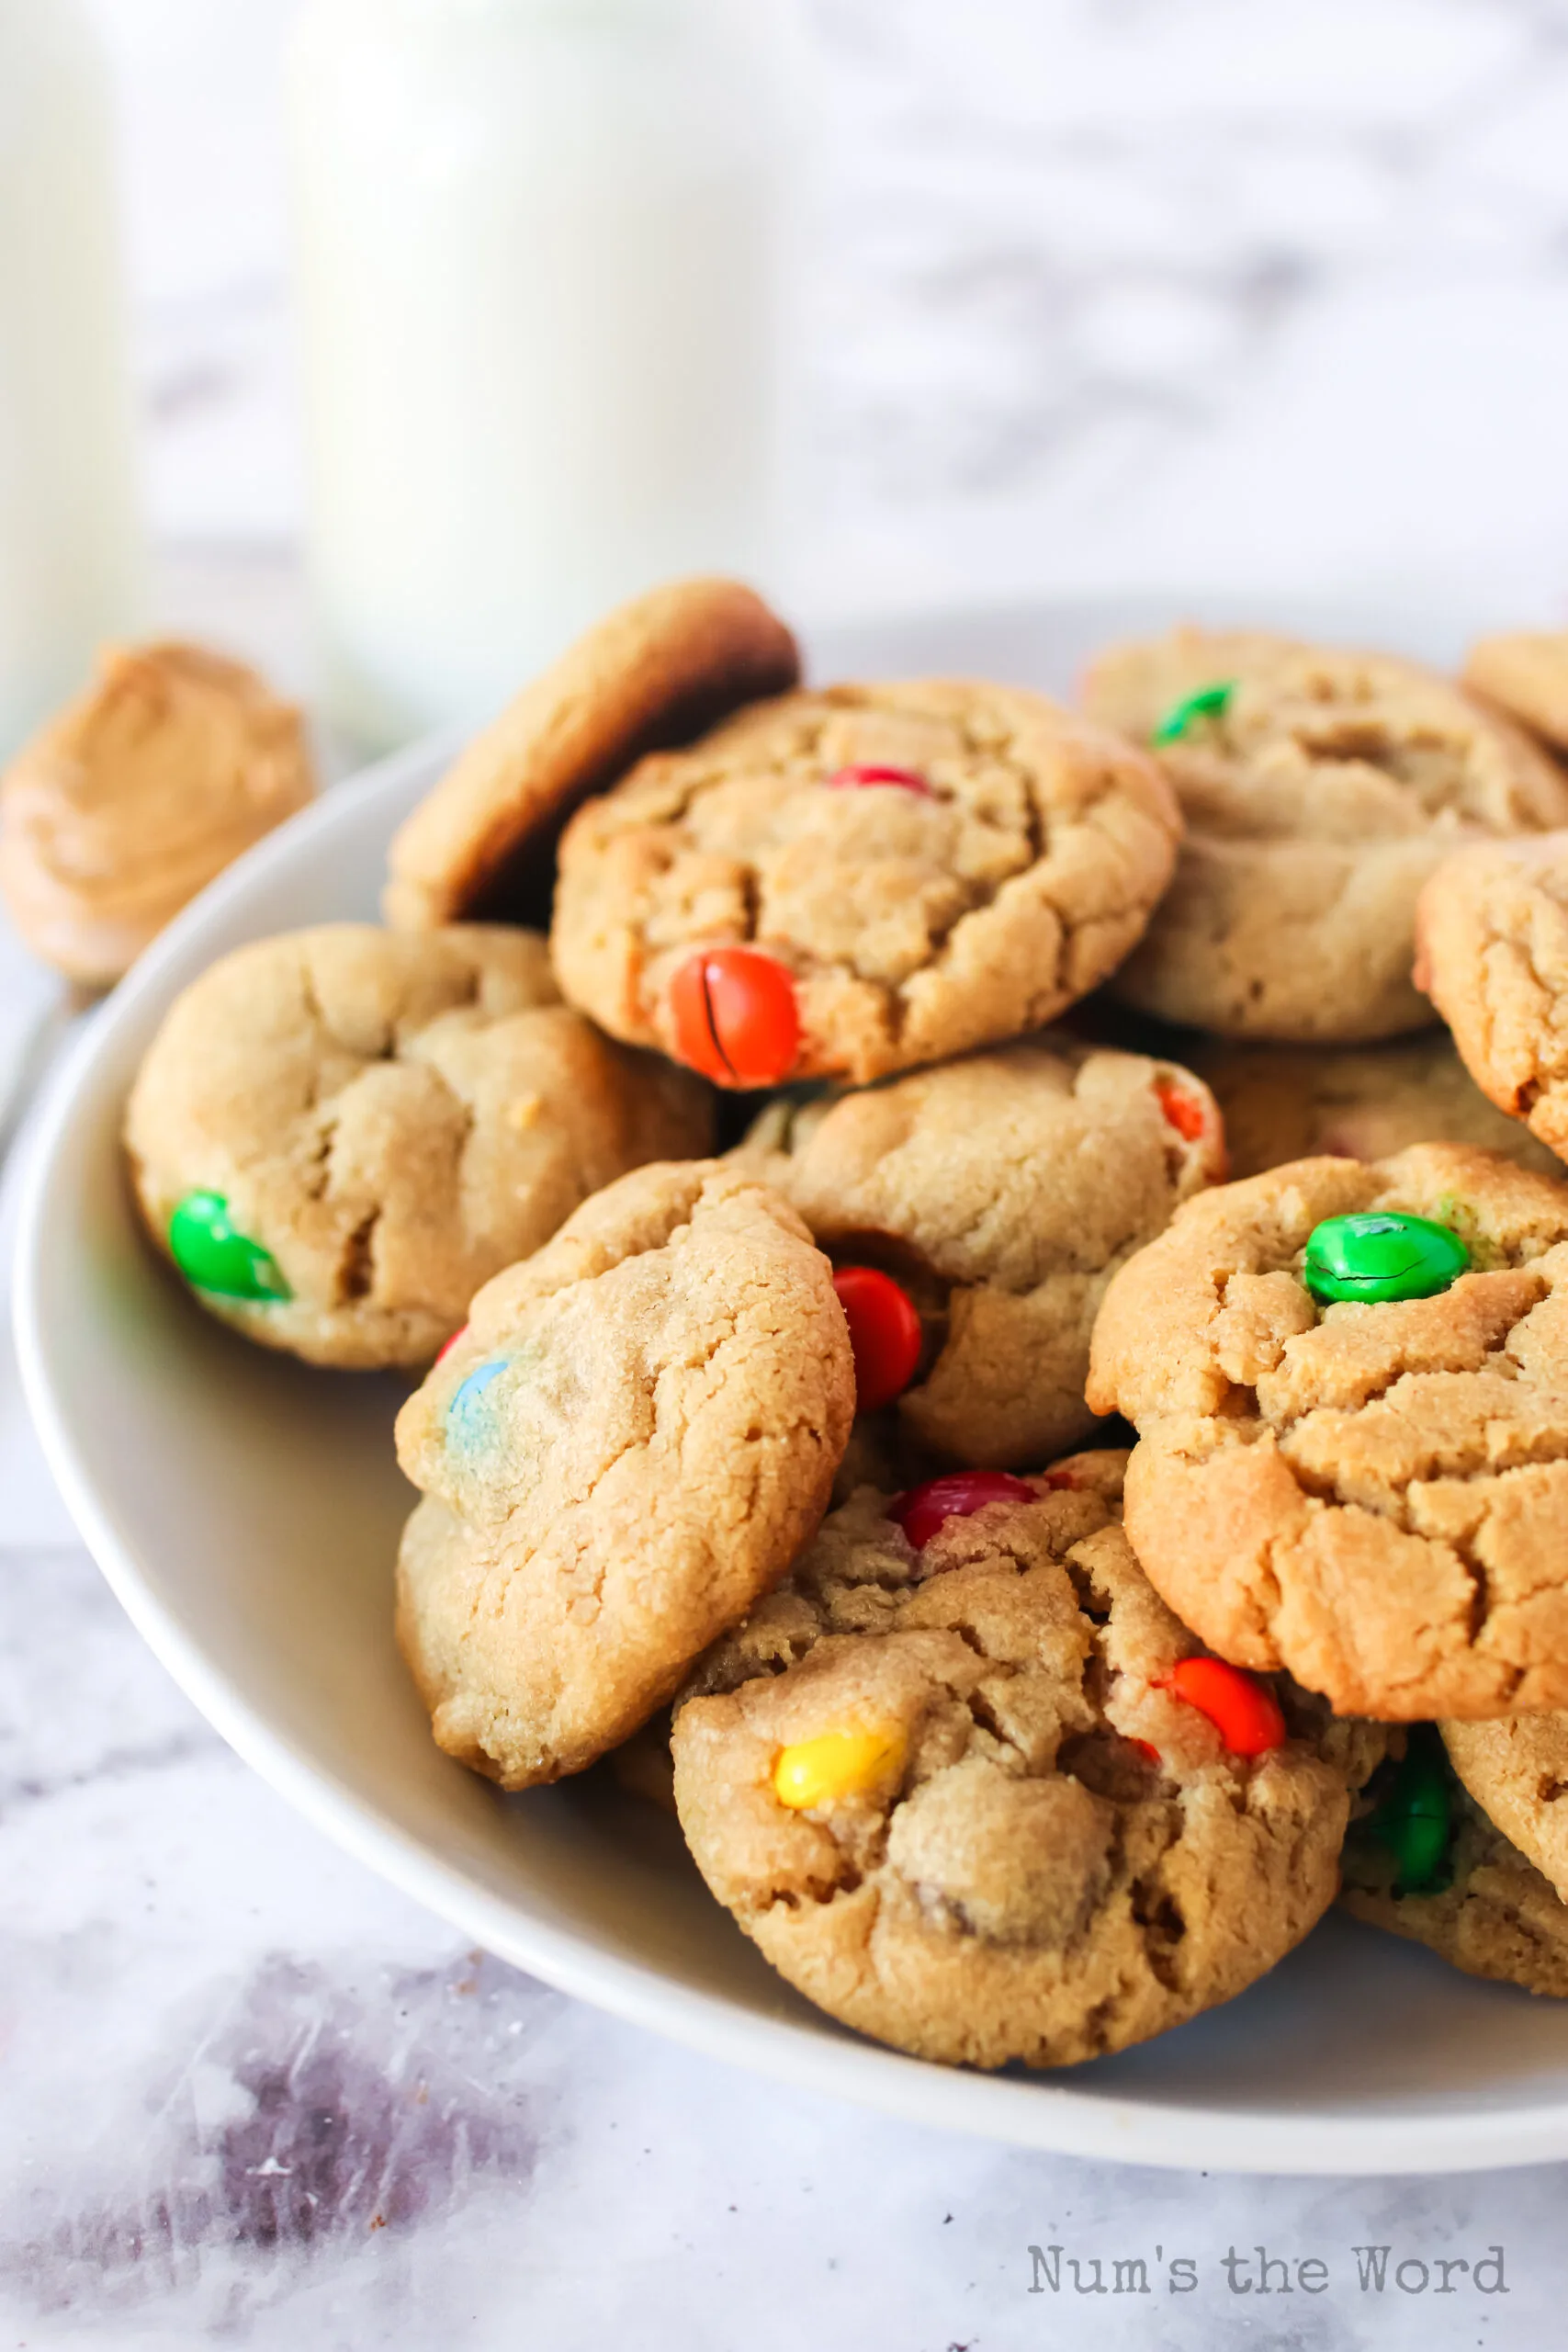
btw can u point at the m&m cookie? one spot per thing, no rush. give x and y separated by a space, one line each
338 1135
1351 1386
975 1214
1425 1859
1492 933
1321 786
969 1785
622 1451
855 881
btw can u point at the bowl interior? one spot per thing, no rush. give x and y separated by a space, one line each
247 1509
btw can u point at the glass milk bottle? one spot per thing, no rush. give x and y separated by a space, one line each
68 542
540 253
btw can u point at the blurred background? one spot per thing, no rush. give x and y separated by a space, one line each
1086 294
1100 290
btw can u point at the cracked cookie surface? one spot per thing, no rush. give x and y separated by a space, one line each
1492 933
1284 1102
1001 1192
1370 1495
1318 799
622 1451
913 922
394 1120
1061 1858
1498 1916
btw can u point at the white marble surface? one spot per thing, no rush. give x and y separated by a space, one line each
1129 292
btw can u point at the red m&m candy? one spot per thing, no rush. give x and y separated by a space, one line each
924 1510
451 1343
1244 1711
871 772
735 1017
884 1332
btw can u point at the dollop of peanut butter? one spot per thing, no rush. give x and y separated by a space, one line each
128 802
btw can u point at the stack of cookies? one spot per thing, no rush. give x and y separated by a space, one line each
786 1128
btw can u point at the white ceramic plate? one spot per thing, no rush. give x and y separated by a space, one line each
246 1511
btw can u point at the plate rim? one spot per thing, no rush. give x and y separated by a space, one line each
1041 2112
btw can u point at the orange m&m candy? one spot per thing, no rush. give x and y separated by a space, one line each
1244 1711
1183 1112
735 1016
884 1332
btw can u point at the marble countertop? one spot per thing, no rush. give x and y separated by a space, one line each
1109 293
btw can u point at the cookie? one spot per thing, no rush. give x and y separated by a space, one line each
657 672
128 803
340 1133
1525 673
1517 1770
943 1777
1428 1863
1320 790
1351 1382
851 883
1493 931
975 1213
625 1450
1282 1103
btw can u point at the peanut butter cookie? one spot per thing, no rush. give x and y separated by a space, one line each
1525 673
1351 1382
1516 1769
1493 931
340 1133
128 803
657 672
1426 1861
975 1214
854 882
967 1783
1282 1103
623 1453
1320 788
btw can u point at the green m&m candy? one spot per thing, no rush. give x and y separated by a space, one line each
213 1255
1382 1255
1209 702
1415 1820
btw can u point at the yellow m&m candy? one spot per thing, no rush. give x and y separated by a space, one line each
837 1764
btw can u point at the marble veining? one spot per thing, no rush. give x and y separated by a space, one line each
1105 291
